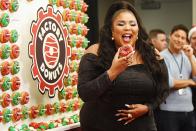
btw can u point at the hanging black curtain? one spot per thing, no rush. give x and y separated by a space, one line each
93 21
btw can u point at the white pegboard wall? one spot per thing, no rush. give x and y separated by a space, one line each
21 20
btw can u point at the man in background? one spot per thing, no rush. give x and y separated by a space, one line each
176 113
158 38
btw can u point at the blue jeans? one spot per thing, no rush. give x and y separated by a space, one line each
176 121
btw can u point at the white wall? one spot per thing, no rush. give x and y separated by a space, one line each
21 21
172 12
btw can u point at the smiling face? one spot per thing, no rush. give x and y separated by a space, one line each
125 29
177 40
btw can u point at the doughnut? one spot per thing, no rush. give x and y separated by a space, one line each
13 36
5 51
6 84
15 83
4 20
14 5
4 36
7 115
15 51
24 98
5 100
15 68
16 114
16 96
4 4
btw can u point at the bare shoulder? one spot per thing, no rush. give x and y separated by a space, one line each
159 57
92 49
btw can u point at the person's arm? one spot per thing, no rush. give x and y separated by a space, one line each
191 82
175 84
91 83
179 84
188 50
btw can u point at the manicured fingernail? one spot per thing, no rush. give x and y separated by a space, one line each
125 123
117 115
126 105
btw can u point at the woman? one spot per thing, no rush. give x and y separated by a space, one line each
119 93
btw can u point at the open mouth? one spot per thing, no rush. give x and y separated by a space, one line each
126 37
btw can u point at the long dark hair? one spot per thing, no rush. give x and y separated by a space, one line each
107 47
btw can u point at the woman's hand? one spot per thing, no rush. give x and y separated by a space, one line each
134 111
118 65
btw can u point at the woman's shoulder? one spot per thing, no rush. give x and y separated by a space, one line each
93 49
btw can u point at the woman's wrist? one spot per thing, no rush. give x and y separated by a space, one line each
111 75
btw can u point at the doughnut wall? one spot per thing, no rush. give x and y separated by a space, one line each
24 104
